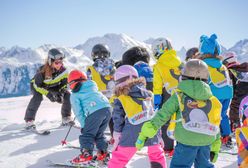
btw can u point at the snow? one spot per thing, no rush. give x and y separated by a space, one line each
26 150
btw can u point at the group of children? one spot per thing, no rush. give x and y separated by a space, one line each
155 106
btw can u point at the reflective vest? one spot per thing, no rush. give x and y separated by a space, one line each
170 77
138 110
219 77
102 81
199 116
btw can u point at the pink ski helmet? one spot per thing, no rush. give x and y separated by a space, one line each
230 59
124 73
243 107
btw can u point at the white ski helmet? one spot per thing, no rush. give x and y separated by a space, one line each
195 69
159 46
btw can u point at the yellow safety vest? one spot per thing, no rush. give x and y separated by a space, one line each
100 80
137 110
219 76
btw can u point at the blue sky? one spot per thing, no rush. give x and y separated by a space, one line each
31 23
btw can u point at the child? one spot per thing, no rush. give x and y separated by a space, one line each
239 75
192 53
197 115
132 108
242 135
102 72
51 81
102 69
93 111
166 76
219 82
139 58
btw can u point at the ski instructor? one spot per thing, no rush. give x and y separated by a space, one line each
51 81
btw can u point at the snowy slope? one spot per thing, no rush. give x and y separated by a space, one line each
25 150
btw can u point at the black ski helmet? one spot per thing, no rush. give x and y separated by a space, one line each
135 54
100 51
54 54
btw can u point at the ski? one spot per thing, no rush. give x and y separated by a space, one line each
229 152
70 165
39 132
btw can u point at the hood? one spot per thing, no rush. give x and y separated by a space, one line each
170 59
88 86
195 89
213 62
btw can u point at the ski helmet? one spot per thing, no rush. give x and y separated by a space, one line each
159 46
100 51
135 54
195 69
192 53
243 108
54 54
124 73
230 58
75 77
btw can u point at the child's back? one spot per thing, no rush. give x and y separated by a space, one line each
132 108
219 81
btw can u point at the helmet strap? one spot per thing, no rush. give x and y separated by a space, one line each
184 77
77 87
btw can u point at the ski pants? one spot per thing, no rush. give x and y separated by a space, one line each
185 155
122 155
168 143
225 128
36 100
93 131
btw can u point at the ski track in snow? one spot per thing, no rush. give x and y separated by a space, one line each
26 150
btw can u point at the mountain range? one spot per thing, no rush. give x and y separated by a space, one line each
18 65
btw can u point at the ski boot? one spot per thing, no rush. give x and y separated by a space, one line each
67 121
102 158
83 159
169 153
227 142
30 125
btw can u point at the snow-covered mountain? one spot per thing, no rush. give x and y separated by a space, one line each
117 43
18 65
241 49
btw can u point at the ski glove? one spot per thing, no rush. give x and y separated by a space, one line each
51 97
157 101
214 151
116 136
55 97
147 131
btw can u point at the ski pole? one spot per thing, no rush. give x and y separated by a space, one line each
63 142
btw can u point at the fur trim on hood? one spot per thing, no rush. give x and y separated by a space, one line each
127 87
